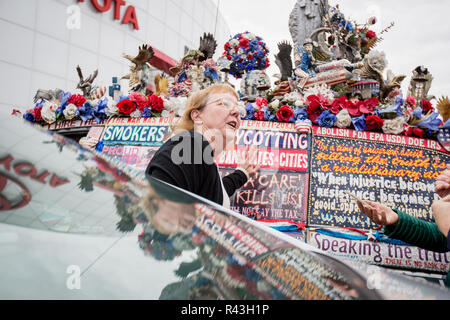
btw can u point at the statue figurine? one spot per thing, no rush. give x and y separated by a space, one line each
304 62
283 60
48 95
254 84
371 71
306 16
85 85
420 84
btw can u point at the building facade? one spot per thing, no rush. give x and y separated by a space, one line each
44 41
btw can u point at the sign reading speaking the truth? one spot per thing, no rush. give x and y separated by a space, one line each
380 253
395 170
279 190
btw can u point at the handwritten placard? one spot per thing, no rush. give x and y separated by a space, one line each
71 124
399 175
137 131
385 254
274 194
279 190
135 135
137 157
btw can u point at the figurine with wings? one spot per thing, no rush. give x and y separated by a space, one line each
205 51
283 60
370 71
85 85
443 106
140 68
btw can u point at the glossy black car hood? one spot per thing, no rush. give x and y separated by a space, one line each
76 225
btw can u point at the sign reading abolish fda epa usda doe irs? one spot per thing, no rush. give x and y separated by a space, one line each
395 170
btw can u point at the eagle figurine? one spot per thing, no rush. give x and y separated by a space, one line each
370 72
85 85
443 106
283 60
207 46
206 51
140 62
145 54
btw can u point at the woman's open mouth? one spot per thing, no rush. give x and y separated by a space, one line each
233 124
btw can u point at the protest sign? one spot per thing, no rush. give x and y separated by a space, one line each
395 170
378 253
73 124
137 131
279 190
134 141
137 157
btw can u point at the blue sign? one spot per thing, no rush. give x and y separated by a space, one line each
135 135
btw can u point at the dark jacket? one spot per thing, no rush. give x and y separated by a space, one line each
419 233
186 161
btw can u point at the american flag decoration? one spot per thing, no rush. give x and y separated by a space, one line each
16 112
283 225
98 92
444 138
303 127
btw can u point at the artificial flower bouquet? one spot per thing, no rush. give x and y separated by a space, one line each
247 52
76 106
400 116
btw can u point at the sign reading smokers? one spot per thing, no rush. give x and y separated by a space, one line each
105 5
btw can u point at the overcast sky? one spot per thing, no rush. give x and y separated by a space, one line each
421 35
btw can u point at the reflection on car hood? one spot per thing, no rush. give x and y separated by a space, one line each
117 227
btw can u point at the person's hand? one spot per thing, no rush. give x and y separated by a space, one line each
378 213
442 184
88 143
248 160
441 214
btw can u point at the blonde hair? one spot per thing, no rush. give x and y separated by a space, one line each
197 102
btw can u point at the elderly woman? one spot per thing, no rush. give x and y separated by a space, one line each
209 124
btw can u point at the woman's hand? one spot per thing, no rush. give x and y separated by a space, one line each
441 214
88 143
378 213
248 161
442 184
